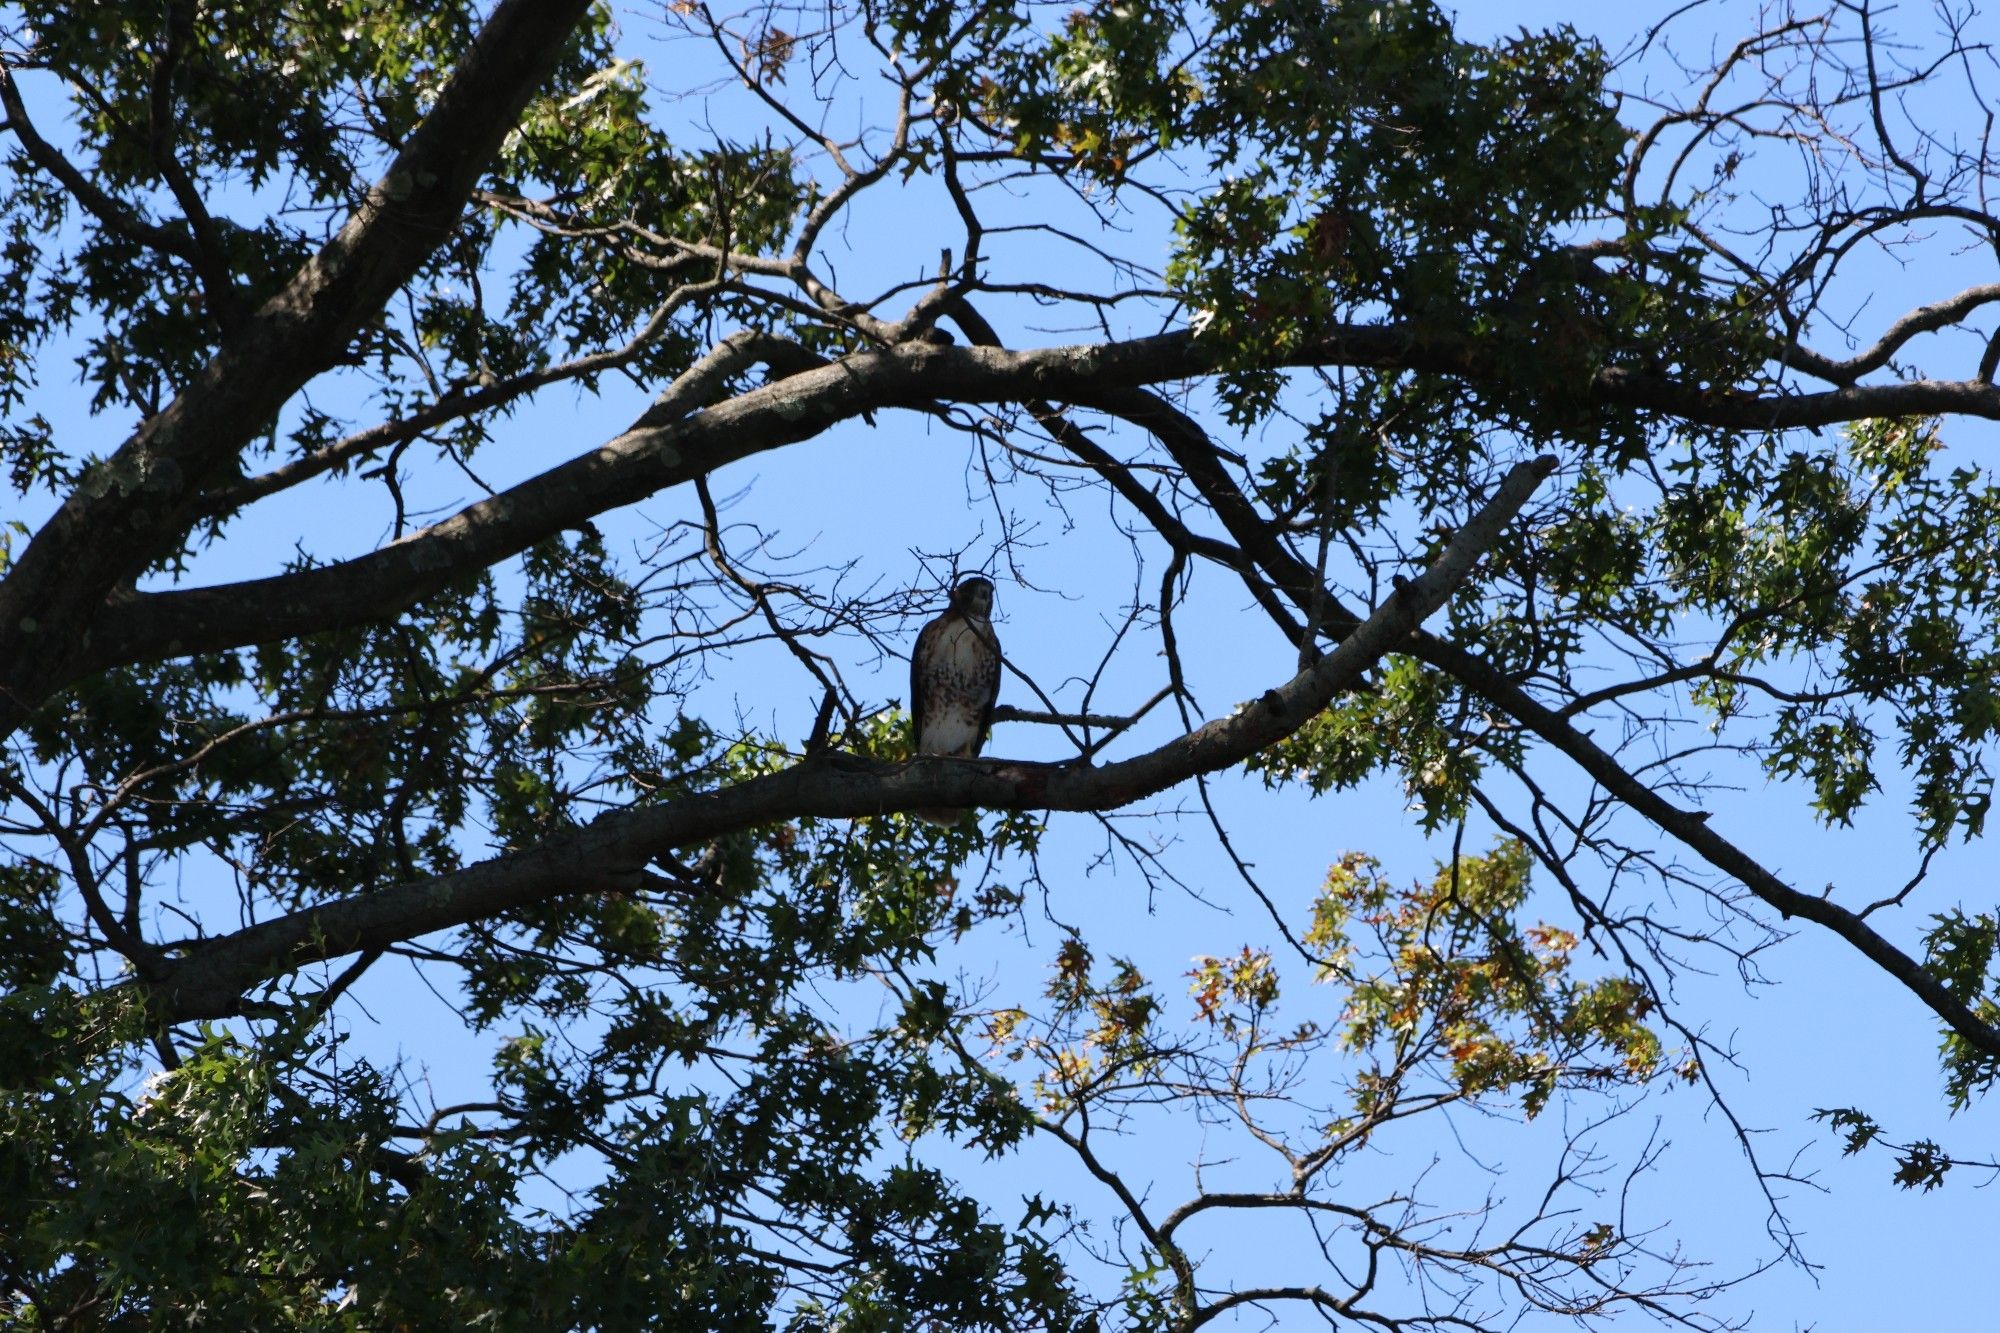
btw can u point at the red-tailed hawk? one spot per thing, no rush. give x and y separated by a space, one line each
955 679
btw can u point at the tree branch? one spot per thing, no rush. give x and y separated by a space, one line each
1692 829
1924 319
114 215
139 502
656 454
1183 439
210 977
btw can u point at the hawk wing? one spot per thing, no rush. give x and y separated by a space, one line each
989 683
921 671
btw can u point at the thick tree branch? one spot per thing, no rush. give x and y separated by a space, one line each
1924 319
651 457
656 454
663 448
612 852
138 503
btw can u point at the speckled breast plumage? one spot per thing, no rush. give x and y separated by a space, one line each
958 677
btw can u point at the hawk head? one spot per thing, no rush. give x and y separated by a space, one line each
973 597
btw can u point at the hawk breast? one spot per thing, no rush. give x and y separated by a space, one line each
957 680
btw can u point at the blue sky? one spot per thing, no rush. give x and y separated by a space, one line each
1822 1028
1825 1030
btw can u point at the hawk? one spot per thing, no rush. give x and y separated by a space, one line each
955 679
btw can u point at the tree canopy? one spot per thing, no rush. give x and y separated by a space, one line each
1537 430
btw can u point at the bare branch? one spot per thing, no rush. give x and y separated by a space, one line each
115 216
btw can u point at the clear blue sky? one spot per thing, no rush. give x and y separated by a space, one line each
1829 1031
